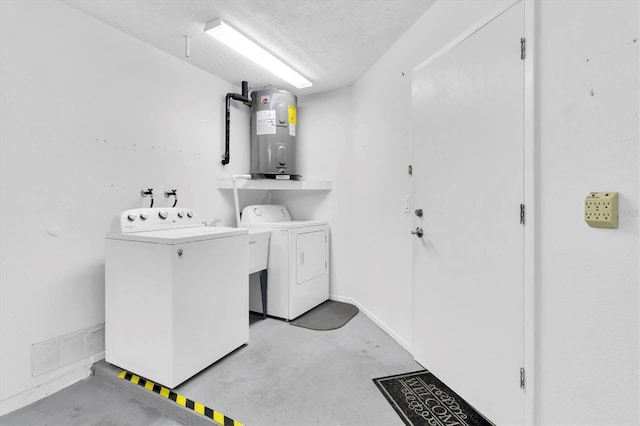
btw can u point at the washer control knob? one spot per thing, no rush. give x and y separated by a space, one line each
144 215
257 211
180 213
163 214
132 217
189 213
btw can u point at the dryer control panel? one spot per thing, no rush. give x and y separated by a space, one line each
153 219
265 213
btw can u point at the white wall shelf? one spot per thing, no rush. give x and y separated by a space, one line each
275 185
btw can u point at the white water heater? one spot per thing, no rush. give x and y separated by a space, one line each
273 134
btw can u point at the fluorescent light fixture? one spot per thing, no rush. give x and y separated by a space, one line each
243 45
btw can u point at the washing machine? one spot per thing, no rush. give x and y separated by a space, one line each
298 264
176 293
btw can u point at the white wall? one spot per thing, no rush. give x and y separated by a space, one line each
89 117
324 153
587 287
382 151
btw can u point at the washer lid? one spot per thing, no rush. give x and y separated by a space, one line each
179 235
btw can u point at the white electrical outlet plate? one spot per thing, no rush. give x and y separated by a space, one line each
601 210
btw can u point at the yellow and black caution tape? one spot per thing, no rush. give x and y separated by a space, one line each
214 415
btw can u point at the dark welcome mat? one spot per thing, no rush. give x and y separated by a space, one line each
327 316
420 398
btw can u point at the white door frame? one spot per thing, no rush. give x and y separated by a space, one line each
529 185
530 206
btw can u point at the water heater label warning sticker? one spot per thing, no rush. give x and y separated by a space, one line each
292 129
293 115
266 122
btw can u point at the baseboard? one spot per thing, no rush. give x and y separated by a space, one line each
376 320
67 376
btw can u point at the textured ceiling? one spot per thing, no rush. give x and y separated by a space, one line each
331 42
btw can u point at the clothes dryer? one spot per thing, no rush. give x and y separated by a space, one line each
176 293
298 265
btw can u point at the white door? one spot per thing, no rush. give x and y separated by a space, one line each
311 249
468 180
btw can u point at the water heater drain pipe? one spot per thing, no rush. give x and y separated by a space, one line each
236 204
244 98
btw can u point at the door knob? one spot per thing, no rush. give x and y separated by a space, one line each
418 232
419 212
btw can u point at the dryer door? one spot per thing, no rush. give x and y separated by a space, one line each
311 255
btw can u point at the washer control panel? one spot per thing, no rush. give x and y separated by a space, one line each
152 219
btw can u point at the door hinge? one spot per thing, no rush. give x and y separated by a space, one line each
522 378
325 264
522 214
523 48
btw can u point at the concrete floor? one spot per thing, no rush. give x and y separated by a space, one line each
94 401
286 375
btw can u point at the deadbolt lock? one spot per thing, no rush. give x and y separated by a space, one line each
419 212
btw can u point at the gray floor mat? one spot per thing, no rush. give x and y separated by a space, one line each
327 316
